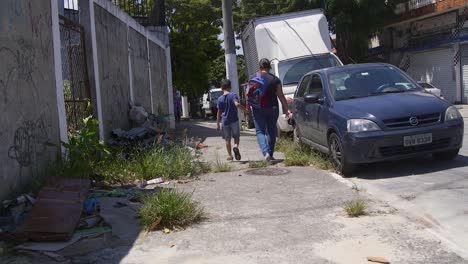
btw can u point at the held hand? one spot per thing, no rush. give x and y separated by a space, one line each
218 127
287 114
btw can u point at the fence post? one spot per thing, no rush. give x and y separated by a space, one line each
87 20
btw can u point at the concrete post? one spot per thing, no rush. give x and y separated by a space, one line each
185 107
230 48
62 115
87 20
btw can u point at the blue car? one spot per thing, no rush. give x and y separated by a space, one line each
368 113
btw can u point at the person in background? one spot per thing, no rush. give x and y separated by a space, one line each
177 105
227 119
262 98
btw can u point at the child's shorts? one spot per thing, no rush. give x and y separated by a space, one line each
231 131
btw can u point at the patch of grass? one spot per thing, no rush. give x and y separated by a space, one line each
301 155
173 208
116 171
220 166
258 164
356 208
174 163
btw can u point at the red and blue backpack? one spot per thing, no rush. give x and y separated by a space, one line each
257 92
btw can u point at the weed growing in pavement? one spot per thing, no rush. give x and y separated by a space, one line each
173 208
172 163
219 166
301 155
258 164
356 208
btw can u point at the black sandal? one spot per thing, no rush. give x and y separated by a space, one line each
237 153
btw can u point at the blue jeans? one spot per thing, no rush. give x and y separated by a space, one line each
265 124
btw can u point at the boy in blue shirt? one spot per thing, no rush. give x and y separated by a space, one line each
229 118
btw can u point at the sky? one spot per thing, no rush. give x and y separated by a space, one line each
238 43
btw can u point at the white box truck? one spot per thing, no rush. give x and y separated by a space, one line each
296 43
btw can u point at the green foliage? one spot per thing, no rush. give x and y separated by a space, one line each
83 150
301 155
174 209
218 70
258 164
173 163
194 29
219 166
356 208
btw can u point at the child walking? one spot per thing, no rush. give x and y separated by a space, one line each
228 119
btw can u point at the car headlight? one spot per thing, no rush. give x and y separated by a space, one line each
361 125
452 114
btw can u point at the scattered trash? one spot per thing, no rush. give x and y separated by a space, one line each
172 246
90 221
57 211
57 246
123 220
200 145
378 260
91 205
155 181
166 230
183 181
138 114
154 225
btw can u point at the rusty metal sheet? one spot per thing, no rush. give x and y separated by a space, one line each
57 211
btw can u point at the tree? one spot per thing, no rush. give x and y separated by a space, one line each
218 70
194 28
354 22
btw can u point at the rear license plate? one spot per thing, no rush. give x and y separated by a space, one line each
417 140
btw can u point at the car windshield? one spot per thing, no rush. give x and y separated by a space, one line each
216 95
370 81
291 71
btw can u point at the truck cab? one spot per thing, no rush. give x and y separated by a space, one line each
210 102
295 43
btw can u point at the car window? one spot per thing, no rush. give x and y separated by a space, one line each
303 86
369 81
291 71
315 86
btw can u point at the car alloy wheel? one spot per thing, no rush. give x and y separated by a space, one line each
335 151
338 156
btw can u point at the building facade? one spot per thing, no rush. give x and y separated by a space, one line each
429 40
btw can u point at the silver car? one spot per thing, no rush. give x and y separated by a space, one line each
431 89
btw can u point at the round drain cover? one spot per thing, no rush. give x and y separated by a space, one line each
268 171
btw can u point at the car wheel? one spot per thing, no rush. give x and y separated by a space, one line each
297 135
338 156
446 155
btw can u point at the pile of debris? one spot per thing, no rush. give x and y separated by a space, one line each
67 216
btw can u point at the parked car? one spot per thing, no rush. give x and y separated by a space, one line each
431 89
368 113
210 102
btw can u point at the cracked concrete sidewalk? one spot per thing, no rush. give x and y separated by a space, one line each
293 218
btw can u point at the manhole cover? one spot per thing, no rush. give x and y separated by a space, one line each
268 171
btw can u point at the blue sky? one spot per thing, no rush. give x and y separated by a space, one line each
238 43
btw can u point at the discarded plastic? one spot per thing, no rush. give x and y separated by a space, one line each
155 181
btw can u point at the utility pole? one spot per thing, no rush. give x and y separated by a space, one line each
230 48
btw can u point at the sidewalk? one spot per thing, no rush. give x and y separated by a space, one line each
206 130
292 218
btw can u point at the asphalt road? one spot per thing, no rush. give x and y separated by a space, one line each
437 191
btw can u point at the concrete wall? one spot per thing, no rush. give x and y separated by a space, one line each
29 131
159 79
131 64
139 60
112 54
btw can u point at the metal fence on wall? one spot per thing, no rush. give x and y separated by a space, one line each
140 10
75 74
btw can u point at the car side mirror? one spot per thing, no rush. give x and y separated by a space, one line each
314 98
